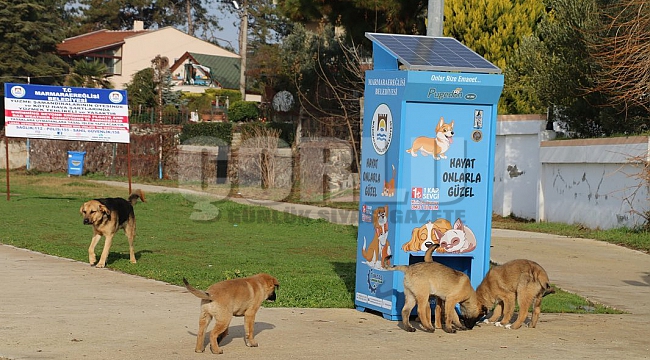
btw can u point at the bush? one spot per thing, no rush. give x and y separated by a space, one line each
232 95
208 133
286 131
243 111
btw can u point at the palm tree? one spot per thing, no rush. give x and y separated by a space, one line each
88 74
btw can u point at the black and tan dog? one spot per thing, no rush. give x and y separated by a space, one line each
107 216
449 286
228 298
521 279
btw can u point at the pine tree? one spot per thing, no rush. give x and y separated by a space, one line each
29 33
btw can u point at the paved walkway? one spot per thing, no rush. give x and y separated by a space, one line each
53 308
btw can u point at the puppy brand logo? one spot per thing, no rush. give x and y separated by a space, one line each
381 131
457 93
18 91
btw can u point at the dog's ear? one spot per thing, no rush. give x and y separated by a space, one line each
104 209
441 122
81 209
451 123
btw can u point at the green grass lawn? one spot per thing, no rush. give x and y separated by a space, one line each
314 260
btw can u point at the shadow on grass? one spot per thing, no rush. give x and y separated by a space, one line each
347 272
115 256
18 197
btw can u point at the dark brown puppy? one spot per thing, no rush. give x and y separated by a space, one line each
225 299
521 279
107 216
425 279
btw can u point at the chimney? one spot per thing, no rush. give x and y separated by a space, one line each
138 25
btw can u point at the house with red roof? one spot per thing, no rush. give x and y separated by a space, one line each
125 52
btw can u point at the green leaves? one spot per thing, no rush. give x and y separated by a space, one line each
89 74
29 33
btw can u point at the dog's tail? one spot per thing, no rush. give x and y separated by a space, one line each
428 256
196 292
137 194
393 267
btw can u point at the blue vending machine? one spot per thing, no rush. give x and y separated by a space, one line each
428 143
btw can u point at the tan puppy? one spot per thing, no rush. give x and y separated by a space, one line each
425 279
523 280
225 299
107 216
440 303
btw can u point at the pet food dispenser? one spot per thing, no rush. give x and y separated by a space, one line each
428 144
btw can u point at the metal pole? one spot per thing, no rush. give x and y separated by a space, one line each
435 17
128 163
7 158
243 40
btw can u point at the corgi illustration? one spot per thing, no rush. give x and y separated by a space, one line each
437 146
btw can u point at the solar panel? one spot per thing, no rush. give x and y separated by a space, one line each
433 53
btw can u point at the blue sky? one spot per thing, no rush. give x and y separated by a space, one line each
229 20
230 31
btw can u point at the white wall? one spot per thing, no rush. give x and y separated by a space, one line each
592 182
516 168
139 50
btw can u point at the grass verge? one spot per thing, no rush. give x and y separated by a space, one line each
189 236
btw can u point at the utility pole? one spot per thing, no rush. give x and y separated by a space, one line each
188 12
243 40
160 65
435 17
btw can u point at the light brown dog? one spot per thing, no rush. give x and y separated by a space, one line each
107 216
440 303
225 299
523 280
425 279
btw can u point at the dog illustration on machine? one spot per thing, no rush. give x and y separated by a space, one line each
377 252
436 146
456 238
389 186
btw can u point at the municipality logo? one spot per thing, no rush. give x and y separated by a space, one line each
381 130
115 97
18 91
